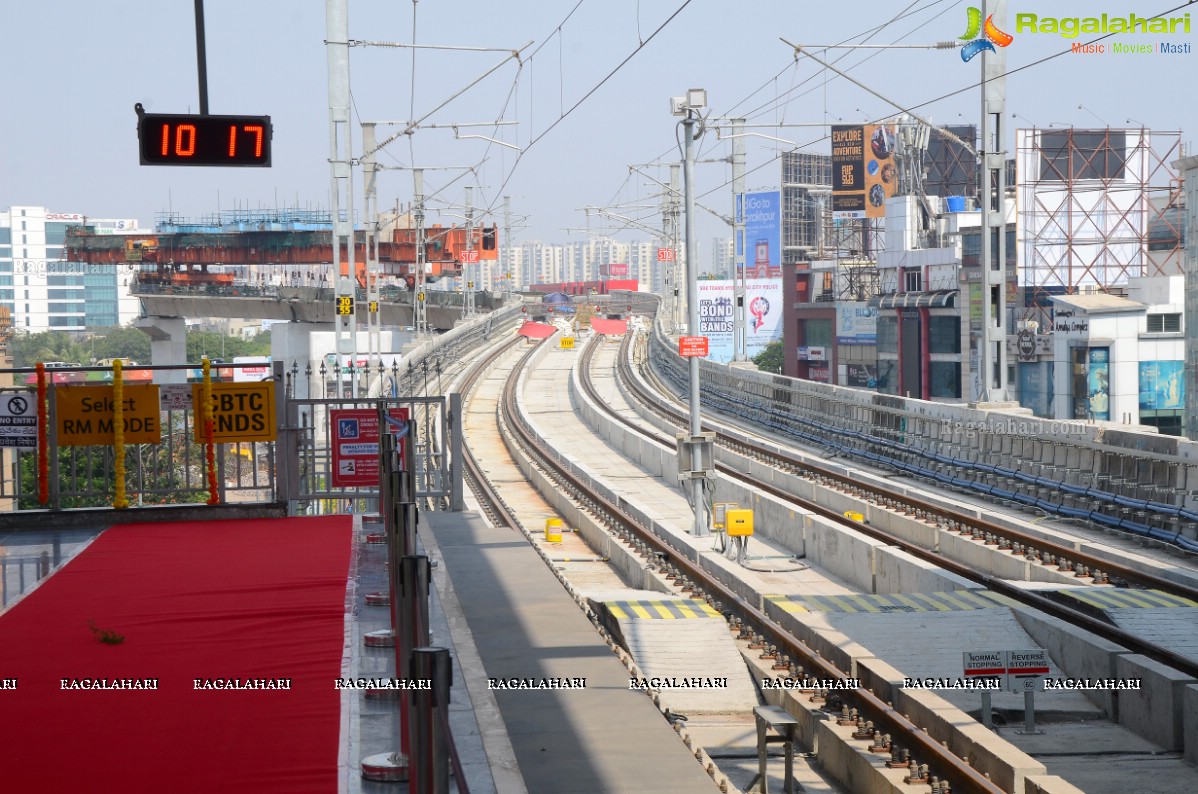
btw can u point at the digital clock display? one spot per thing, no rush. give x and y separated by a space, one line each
204 140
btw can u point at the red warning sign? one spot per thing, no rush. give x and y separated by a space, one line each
692 346
356 445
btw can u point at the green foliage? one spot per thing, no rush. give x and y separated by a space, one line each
216 345
770 359
128 343
28 349
85 478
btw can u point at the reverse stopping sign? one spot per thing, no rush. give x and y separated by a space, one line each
1020 671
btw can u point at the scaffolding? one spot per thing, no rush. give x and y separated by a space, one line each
806 185
1096 207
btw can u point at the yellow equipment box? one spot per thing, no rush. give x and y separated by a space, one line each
738 523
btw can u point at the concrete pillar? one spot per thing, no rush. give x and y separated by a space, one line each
168 345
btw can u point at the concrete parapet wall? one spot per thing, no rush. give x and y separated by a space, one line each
899 572
985 750
859 771
1077 652
1049 784
1155 710
998 433
1189 722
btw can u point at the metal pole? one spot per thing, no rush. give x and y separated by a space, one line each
340 171
467 282
1029 713
992 198
201 57
692 305
987 711
430 752
738 240
507 244
420 317
455 453
412 633
370 210
675 266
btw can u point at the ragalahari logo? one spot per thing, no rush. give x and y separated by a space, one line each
991 35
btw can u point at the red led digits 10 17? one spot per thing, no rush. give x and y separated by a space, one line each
204 140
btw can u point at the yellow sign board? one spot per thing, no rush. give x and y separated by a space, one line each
240 411
84 415
345 305
374 307
420 296
567 343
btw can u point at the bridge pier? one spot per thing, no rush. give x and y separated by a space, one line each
168 345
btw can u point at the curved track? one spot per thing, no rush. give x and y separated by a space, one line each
744 614
964 523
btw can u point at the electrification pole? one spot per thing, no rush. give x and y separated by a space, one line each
993 358
469 267
341 188
676 265
370 211
420 316
738 240
695 101
507 245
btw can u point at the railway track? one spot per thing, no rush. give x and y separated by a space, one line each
1002 538
857 707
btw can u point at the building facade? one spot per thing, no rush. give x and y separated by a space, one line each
42 291
1188 168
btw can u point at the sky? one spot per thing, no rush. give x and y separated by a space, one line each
589 95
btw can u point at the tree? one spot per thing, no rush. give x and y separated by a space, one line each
130 344
770 359
217 345
28 349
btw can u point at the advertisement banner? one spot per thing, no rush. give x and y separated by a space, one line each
1162 386
864 174
763 234
856 323
763 316
863 376
1031 388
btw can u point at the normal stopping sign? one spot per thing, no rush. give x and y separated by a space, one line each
240 411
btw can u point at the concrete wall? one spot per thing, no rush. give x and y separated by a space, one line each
1155 711
1000 433
1163 710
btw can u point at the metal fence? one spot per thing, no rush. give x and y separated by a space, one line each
312 487
171 472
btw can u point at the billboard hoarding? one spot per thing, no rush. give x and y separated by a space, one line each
763 234
864 173
856 323
1162 386
763 315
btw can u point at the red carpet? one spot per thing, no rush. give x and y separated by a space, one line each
261 599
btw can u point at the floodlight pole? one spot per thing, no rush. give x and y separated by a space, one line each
692 304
